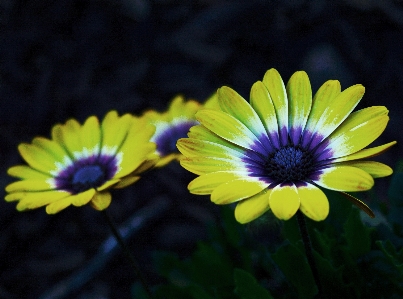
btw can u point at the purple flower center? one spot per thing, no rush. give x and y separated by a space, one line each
290 164
86 173
166 142
87 177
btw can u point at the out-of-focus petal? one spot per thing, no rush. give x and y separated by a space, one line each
101 200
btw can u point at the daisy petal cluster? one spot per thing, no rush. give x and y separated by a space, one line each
80 163
277 151
172 125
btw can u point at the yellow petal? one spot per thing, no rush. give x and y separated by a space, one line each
190 147
108 184
163 161
68 137
284 201
146 165
32 200
261 101
180 108
57 206
338 109
375 169
359 130
202 133
29 185
201 165
135 149
101 200
299 93
37 158
275 85
132 159
82 198
320 103
366 153
232 103
345 178
26 172
126 181
314 203
229 128
253 207
52 147
90 134
206 183
114 131
177 105
212 102
232 191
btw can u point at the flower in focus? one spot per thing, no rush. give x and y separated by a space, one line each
80 163
172 125
278 151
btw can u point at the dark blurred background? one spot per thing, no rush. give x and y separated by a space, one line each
63 59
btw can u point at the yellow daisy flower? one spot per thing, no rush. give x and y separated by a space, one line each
276 152
81 163
172 125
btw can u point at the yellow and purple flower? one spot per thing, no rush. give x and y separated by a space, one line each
80 163
277 152
173 125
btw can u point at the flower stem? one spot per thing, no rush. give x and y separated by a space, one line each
308 251
127 252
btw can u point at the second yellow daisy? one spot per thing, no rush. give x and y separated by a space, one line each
81 163
173 125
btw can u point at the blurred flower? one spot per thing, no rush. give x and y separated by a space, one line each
174 124
275 153
81 163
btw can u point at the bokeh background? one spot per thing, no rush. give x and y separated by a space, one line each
67 58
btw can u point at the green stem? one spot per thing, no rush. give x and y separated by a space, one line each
128 253
308 251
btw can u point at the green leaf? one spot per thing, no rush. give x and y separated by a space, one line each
138 291
331 278
396 189
340 208
246 286
197 292
165 262
357 235
291 230
293 264
169 265
232 229
394 257
324 243
168 291
211 268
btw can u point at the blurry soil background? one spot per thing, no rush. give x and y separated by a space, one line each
64 59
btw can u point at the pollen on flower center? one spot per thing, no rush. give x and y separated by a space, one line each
289 164
288 157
